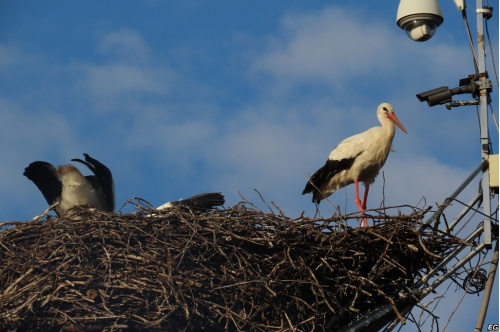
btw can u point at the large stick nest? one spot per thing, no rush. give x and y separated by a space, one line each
236 269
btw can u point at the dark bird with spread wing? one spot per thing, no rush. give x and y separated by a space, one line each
66 186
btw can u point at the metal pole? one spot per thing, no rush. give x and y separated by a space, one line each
487 290
483 118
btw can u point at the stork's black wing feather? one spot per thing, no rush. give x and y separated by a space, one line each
202 202
45 177
103 176
325 173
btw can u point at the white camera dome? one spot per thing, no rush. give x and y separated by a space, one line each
419 19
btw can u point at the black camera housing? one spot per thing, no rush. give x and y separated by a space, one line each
443 95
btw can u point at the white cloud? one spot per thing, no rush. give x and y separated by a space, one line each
125 44
329 47
171 138
11 57
21 128
414 178
325 45
128 74
26 136
115 80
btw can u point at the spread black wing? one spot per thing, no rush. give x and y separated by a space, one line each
102 177
202 202
45 177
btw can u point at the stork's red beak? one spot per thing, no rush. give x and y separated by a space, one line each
392 116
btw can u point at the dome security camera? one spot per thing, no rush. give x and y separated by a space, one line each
419 18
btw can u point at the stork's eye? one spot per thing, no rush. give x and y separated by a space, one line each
386 110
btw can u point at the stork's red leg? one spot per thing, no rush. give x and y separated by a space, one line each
357 200
365 196
361 205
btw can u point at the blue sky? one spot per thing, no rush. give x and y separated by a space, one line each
179 98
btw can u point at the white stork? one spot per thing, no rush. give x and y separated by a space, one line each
357 158
66 186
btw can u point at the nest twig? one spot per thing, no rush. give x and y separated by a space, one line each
236 269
